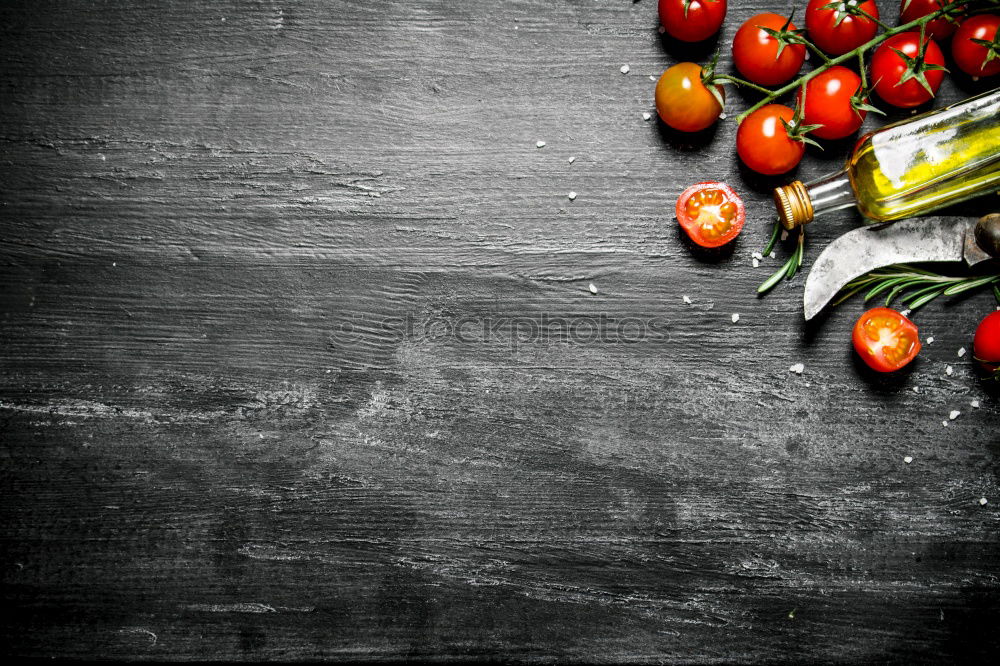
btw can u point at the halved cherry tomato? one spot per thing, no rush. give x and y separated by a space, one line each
692 20
888 69
755 52
828 103
986 343
711 213
939 28
683 101
971 57
835 30
762 141
885 339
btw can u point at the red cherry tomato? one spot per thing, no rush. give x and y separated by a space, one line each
970 56
763 144
692 20
683 101
939 28
711 213
986 343
885 339
836 31
828 103
887 69
755 53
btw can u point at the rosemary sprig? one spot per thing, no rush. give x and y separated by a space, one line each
915 287
791 267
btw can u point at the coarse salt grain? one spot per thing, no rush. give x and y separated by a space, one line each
593 289
954 414
624 69
944 423
756 262
571 160
908 459
916 389
983 501
797 368
961 352
687 299
735 317
539 144
948 371
652 78
571 196
905 313
757 255
930 339
974 404
773 254
646 115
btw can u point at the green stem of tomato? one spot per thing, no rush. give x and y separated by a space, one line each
861 71
742 82
859 51
878 22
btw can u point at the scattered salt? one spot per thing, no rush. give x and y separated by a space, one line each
905 313
961 352
908 459
652 78
974 404
757 255
571 196
571 160
756 262
539 144
930 339
797 368
624 69
983 501
954 414
948 371
593 289
735 317
916 389
646 115
944 423
773 254
687 299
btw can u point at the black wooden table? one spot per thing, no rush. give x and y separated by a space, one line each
301 360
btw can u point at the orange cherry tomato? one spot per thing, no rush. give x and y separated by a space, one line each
711 213
885 339
683 101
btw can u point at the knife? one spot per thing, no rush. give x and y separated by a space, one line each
922 239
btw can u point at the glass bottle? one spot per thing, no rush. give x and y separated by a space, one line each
909 167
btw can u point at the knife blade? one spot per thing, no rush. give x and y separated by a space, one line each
926 239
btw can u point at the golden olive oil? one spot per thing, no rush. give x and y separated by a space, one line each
909 168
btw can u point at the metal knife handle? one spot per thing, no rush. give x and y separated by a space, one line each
988 234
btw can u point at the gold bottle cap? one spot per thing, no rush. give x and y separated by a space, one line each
794 206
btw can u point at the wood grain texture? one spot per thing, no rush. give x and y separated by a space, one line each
300 361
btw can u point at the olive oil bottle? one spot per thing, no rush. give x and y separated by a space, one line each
908 168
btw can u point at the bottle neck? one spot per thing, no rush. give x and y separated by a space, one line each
798 204
833 192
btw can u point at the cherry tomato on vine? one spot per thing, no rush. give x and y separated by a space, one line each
986 343
939 28
692 20
971 57
835 30
756 53
683 101
711 213
762 141
889 69
828 103
885 339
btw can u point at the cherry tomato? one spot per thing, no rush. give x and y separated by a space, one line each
939 28
692 20
683 101
970 56
711 213
763 143
887 69
986 343
836 31
755 53
885 339
828 103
